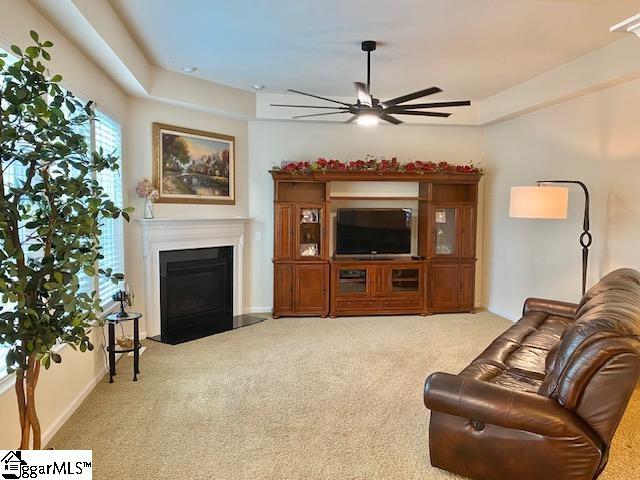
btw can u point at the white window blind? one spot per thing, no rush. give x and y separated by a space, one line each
87 283
107 137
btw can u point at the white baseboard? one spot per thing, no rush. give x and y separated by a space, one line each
72 407
508 316
257 310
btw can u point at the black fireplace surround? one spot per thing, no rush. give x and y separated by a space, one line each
196 293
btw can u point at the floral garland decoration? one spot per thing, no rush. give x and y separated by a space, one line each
371 164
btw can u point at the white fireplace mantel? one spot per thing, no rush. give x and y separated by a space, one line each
165 234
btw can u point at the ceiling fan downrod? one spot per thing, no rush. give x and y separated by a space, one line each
368 46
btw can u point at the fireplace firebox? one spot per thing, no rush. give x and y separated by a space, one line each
196 293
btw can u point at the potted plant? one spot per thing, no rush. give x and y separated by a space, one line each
50 221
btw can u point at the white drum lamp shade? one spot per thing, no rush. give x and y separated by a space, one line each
539 202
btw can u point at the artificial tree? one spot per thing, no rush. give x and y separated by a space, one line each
50 221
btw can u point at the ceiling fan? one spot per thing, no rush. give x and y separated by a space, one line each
369 110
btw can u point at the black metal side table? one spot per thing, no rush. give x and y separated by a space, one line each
112 319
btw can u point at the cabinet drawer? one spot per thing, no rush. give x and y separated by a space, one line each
345 304
403 303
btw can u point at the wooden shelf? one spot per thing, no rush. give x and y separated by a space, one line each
344 197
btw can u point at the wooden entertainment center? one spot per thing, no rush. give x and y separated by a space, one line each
310 281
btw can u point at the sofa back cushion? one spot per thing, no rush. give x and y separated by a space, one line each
600 348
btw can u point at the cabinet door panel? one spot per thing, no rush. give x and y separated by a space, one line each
467 284
443 231
309 223
351 281
467 227
283 289
283 241
310 289
404 280
445 286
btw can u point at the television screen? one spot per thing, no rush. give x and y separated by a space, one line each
365 231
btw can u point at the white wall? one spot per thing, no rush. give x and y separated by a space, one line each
138 163
272 142
593 138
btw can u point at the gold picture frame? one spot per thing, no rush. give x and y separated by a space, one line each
193 166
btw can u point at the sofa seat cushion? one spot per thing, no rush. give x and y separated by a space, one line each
517 359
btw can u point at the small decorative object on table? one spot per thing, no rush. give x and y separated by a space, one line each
145 190
124 297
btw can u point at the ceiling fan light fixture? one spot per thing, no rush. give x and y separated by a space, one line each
368 119
369 110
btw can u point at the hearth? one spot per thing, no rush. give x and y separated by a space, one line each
196 293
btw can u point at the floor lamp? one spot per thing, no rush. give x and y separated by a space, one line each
543 201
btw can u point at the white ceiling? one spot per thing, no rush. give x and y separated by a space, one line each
469 48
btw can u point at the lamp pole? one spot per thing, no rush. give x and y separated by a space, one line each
585 236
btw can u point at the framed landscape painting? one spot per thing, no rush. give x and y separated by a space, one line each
192 166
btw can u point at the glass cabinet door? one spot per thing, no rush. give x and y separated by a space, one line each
405 280
309 232
445 232
352 280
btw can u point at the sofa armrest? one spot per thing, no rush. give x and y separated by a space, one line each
492 404
552 307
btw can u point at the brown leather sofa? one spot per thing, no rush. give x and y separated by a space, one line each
545 398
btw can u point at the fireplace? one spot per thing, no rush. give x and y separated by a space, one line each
165 235
196 293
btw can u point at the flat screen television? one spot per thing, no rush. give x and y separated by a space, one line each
371 231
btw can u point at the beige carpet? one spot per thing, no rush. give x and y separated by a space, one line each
291 399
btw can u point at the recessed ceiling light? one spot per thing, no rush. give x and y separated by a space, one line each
188 69
257 86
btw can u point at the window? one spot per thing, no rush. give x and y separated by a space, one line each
102 133
107 136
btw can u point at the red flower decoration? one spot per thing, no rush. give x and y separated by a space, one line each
391 165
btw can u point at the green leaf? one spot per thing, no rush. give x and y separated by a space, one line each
34 36
56 78
56 357
32 52
15 49
47 44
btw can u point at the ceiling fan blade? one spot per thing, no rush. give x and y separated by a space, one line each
390 119
308 106
423 114
412 96
363 96
317 96
464 103
319 114
351 119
